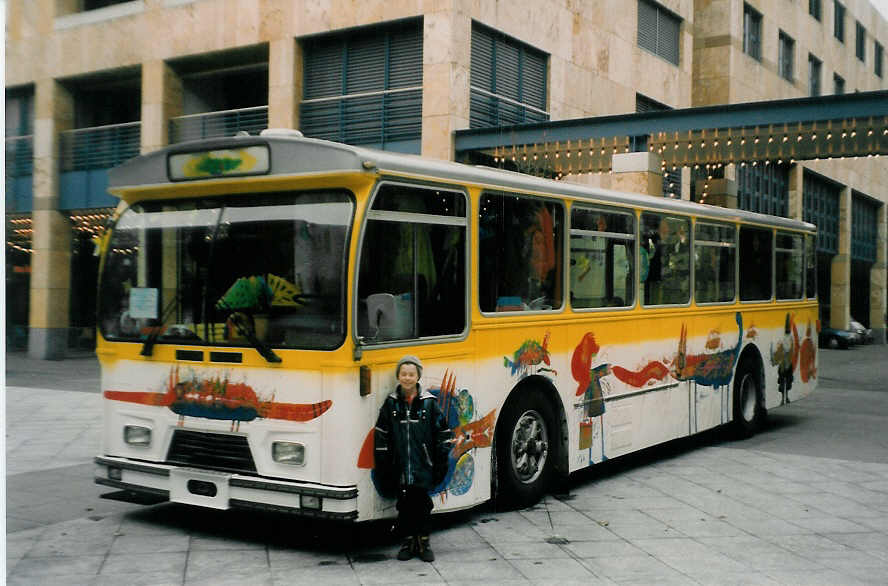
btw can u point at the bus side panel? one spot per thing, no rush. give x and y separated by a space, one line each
470 414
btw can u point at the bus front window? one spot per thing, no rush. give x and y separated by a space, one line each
223 270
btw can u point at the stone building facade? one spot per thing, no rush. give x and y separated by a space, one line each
90 82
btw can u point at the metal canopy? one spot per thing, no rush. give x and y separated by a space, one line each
781 131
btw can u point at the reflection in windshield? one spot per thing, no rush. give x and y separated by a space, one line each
225 270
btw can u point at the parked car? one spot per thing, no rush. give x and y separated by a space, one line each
865 334
835 338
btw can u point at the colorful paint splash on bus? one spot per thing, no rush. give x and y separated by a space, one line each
529 356
218 397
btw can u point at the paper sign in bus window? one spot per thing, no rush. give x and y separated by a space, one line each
143 303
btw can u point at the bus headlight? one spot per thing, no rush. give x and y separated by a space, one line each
291 453
137 435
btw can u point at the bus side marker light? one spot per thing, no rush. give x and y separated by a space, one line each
115 473
291 453
137 435
309 501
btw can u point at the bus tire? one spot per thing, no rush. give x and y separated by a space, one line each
526 450
749 412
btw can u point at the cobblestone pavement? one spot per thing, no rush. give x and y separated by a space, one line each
698 511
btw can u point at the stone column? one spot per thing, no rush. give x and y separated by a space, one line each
719 192
638 173
446 55
879 277
284 83
796 192
51 259
840 274
162 99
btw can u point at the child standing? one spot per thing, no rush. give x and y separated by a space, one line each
412 443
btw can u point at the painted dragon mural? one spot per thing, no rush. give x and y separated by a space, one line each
711 368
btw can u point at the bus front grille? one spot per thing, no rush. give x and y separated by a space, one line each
211 450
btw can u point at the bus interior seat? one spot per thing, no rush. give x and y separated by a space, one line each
390 316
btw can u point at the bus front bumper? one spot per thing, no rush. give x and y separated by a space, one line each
223 490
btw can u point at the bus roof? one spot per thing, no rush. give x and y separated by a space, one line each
290 153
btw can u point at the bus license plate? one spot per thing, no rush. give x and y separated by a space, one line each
203 488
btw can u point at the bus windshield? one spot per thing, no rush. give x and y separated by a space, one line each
229 271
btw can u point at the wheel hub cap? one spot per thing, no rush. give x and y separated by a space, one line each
530 447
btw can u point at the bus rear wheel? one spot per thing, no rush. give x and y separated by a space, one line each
749 412
525 450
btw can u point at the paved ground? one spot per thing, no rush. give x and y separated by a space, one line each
699 511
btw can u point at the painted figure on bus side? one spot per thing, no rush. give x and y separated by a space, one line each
785 356
808 356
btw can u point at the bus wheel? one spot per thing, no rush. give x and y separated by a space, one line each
748 409
525 450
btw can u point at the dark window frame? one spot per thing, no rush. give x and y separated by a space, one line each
785 56
860 42
815 75
412 218
839 21
559 282
630 237
815 9
656 28
752 32
508 80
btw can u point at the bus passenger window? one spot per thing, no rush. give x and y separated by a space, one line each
715 254
602 261
790 266
755 264
665 259
520 254
810 267
412 281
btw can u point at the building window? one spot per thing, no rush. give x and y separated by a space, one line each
877 58
786 59
752 32
814 8
861 42
820 206
814 66
671 177
508 80
838 84
839 21
658 31
763 189
365 87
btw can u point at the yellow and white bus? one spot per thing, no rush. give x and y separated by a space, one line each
256 293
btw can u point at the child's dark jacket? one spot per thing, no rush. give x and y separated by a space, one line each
411 443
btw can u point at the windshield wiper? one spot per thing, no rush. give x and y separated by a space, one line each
248 332
151 340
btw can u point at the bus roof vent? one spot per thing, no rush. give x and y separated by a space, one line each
282 132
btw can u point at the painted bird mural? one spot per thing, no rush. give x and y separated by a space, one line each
530 354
